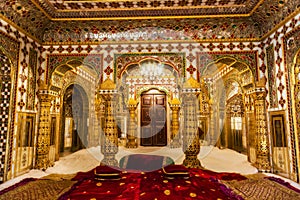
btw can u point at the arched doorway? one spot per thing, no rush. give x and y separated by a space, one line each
225 83
153 118
234 123
74 129
152 83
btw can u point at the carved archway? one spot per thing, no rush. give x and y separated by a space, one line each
74 132
238 60
80 70
145 74
216 79
149 73
234 123
123 61
85 90
62 63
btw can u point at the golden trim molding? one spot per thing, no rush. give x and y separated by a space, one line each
148 8
149 17
256 6
41 9
297 11
146 17
156 41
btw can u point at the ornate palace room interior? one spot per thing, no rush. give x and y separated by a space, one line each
208 89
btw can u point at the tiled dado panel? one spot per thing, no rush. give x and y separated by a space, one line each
189 49
23 53
275 67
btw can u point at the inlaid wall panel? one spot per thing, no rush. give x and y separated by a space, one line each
18 48
284 54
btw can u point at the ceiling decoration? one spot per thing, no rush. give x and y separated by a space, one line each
61 9
272 12
24 15
71 21
150 30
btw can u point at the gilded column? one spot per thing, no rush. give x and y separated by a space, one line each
262 148
212 123
132 129
175 136
251 127
221 117
191 143
97 121
109 141
43 138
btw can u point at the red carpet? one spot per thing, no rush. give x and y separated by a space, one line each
202 184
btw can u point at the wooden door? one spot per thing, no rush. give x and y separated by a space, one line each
153 119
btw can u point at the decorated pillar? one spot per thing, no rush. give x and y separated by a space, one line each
204 101
43 138
212 123
262 146
220 121
132 129
250 127
191 143
175 136
109 140
97 121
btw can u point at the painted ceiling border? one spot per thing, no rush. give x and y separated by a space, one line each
146 17
297 11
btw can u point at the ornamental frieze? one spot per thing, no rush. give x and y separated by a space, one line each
150 30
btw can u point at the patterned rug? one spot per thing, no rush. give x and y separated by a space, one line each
30 189
263 188
202 184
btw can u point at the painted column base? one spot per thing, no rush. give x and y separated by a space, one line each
109 160
191 161
42 162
